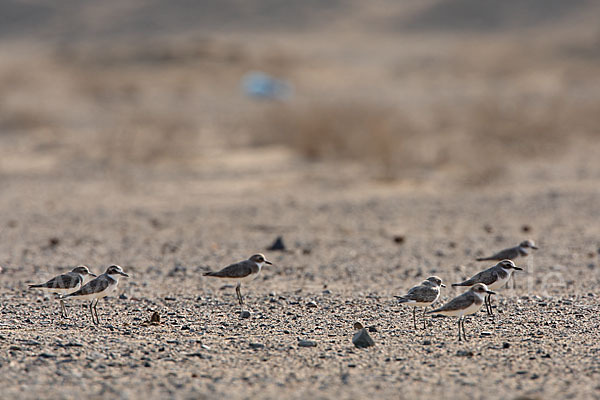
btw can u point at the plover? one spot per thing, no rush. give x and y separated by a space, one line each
466 304
422 295
99 288
242 271
66 284
512 253
494 277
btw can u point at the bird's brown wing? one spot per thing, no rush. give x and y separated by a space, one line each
237 270
458 303
94 286
64 281
421 294
488 277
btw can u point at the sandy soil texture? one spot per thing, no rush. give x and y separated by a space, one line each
350 248
418 136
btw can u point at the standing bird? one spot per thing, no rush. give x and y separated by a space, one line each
494 277
422 295
66 283
512 253
99 288
242 271
466 304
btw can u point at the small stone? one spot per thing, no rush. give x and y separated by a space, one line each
399 239
311 304
525 228
521 372
326 291
46 355
155 318
361 339
147 364
277 245
185 328
464 353
245 314
307 343
485 333
170 298
505 345
123 296
257 346
372 329
427 342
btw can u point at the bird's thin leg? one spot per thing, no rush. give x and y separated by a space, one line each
96 311
63 311
424 327
490 304
92 311
239 294
459 338
463 329
414 318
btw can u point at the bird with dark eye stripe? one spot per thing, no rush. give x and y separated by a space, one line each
242 271
66 284
99 288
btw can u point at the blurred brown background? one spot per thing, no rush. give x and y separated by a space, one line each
449 92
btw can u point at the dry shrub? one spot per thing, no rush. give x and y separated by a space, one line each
479 139
349 131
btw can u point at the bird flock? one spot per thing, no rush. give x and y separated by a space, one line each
81 284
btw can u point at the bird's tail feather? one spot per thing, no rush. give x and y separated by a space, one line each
31 285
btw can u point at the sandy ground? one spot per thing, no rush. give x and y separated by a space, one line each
166 230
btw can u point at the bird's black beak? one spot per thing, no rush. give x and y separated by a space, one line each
490 292
518 268
124 274
534 247
268 262
442 285
94 275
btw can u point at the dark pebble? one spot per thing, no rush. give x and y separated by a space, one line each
257 346
427 342
372 329
277 245
245 314
505 345
123 296
361 339
399 239
307 343
464 353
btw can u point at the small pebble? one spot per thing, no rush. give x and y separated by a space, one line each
257 346
399 239
505 345
426 342
307 343
277 245
311 304
464 353
361 339
245 314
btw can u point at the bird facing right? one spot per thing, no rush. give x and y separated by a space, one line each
99 288
66 283
241 271
494 277
465 304
422 295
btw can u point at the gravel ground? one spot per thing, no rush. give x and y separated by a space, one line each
350 247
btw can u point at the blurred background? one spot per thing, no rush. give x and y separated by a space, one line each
451 92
